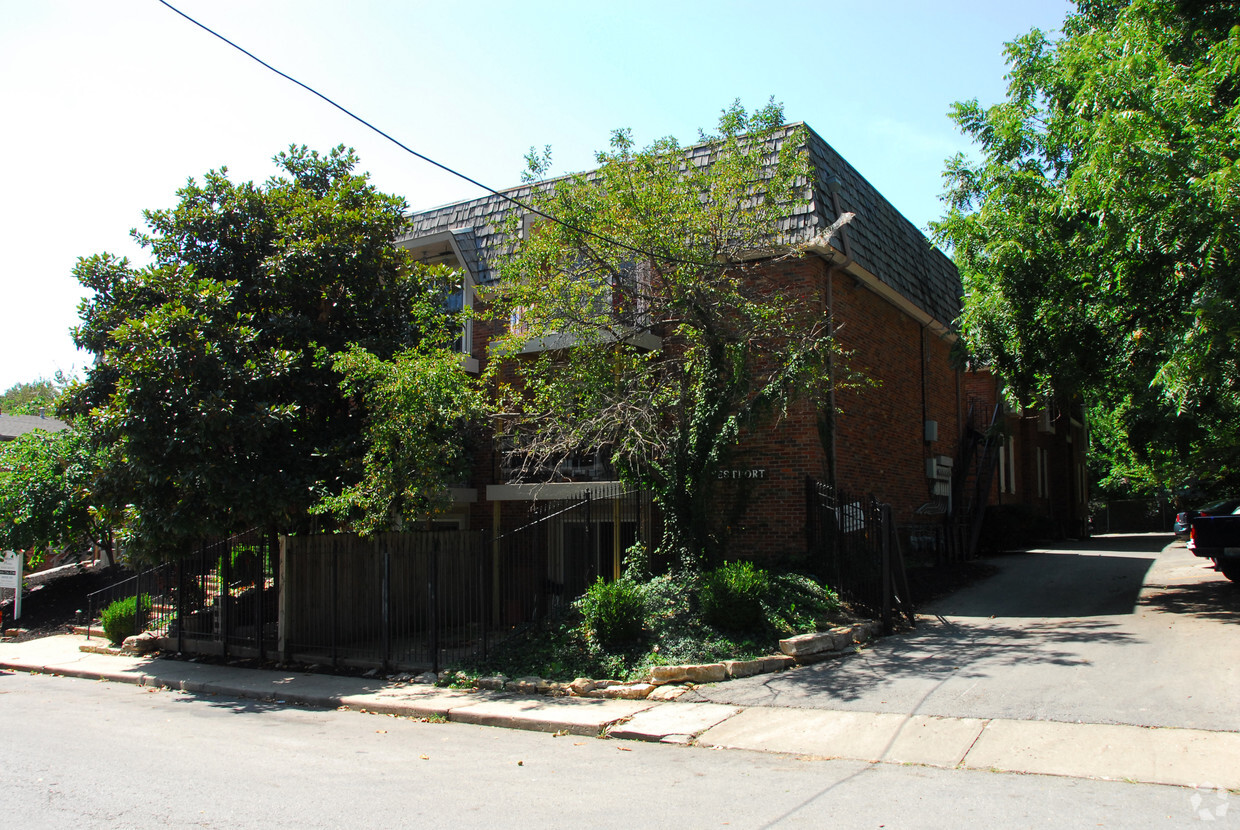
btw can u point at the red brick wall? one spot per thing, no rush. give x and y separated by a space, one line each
880 447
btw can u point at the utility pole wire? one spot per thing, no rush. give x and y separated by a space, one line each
426 158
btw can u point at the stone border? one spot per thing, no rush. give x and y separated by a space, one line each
670 682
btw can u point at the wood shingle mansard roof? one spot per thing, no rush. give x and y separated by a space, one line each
886 252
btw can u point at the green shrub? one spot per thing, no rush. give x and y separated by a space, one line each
797 604
614 612
732 597
118 619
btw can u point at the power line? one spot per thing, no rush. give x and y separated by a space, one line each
421 156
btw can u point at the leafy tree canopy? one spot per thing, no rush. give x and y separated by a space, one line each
29 398
421 410
1099 233
47 495
214 375
671 243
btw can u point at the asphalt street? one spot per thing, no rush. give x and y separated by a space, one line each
1116 630
87 754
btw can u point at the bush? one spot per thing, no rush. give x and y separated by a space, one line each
732 597
614 612
118 619
797 604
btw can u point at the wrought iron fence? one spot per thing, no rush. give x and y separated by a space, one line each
853 543
410 600
563 547
421 600
221 597
395 599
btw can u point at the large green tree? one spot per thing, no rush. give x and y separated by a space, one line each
214 376
1098 234
671 243
48 495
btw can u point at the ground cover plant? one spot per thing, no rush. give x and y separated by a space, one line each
622 629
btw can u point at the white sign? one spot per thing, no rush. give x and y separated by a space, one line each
11 577
11 570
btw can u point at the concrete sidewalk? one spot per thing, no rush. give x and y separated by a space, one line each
1181 757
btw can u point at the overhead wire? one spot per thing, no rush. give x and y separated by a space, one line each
509 198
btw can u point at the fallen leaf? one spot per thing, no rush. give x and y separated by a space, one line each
425 757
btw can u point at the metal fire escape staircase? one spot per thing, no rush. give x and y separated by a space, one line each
975 474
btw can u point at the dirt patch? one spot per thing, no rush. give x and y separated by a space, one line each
51 607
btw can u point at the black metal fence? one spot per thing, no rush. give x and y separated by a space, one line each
853 543
421 600
394 599
562 547
220 598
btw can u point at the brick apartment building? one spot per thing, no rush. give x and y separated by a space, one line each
894 299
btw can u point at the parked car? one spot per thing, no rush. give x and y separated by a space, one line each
1217 538
1184 521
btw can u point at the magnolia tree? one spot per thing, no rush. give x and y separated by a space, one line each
1098 233
653 329
219 366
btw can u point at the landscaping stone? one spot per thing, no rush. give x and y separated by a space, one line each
427 677
144 643
806 644
759 665
703 673
582 686
494 683
837 639
625 691
665 693
528 686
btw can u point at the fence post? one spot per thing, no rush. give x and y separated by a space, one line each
285 605
137 600
431 605
478 546
885 531
386 607
592 569
226 595
181 604
335 598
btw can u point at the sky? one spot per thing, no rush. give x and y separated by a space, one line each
109 107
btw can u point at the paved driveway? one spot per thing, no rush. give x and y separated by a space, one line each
1118 629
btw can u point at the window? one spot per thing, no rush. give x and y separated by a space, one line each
1007 466
1044 482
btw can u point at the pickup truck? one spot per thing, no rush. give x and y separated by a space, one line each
1218 538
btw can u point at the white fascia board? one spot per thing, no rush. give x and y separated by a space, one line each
551 491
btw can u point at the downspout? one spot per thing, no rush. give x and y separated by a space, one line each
833 188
